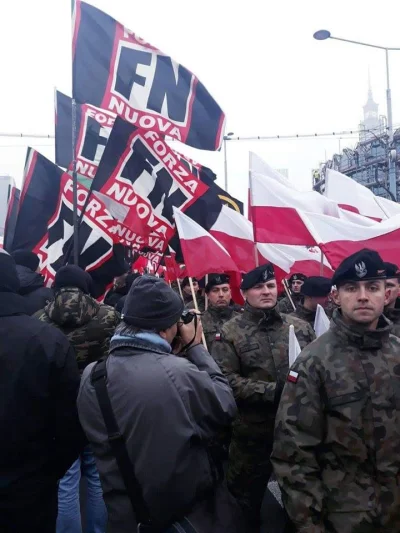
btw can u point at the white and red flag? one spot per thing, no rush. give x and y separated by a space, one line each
201 251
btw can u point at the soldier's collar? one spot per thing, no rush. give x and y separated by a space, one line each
221 311
261 315
364 339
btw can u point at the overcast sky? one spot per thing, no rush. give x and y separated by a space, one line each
257 58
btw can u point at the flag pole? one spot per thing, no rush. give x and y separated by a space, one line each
321 265
286 287
197 308
75 187
179 287
205 294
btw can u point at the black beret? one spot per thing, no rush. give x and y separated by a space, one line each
392 270
216 279
185 281
316 286
260 274
361 266
298 276
152 304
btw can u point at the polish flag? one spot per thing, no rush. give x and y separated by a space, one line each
292 259
339 238
202 252
353 196
275 211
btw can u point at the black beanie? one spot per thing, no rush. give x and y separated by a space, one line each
152 304
9 281
73 276
26 258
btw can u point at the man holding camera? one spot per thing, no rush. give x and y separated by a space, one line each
166 410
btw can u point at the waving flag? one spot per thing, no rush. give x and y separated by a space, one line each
116 70
340 238
352 196
140 180
202 252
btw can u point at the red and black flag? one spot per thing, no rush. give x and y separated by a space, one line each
114 69
140 180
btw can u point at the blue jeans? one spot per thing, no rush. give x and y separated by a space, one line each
69 513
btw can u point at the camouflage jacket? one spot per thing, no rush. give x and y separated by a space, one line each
337 437
201 302
284 305
88 325
213 319
304 314
253 354
394 316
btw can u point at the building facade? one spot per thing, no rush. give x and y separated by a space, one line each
368 162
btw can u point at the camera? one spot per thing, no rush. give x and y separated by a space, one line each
187 316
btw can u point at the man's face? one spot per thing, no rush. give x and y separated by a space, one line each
220 295
296 285
361 302
262 295
392 288
187 290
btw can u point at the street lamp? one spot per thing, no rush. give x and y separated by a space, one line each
226 137
323 35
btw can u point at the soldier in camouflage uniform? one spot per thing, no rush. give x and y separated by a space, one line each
315 291
295 283
392 304
219 308
253 353
337 438
89 327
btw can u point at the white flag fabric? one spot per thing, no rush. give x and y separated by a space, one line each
294 346
321 323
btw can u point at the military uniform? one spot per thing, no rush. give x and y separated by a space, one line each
304 314
189 303
337 440
393 314
213 319
88 325
284 305
253 354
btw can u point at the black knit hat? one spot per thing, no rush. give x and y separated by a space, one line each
73 276
392 271
362 266
298 276
9 281
152 304
260 274
316 286
26 258
216 279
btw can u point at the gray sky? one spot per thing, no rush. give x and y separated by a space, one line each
257 58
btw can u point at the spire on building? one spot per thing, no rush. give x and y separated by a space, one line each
371 110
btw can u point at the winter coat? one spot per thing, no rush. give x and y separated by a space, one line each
167 408
88 325
39 380
32 288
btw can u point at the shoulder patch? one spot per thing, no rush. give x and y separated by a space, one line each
293 376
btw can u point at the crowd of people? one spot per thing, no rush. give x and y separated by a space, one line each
119 409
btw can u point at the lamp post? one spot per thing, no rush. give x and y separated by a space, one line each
323 35
226 137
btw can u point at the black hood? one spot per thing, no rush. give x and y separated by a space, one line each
30 281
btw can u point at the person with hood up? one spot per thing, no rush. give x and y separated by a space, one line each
166 410
32 288
89 327
39 426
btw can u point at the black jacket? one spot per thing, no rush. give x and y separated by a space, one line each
32 288
39 380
